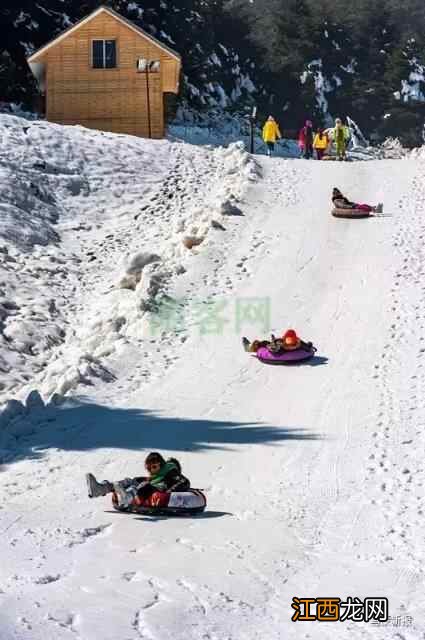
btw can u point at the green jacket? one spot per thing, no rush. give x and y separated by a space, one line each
167 476
339 135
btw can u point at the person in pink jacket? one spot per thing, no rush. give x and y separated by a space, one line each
305 140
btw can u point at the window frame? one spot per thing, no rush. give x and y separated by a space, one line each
104 40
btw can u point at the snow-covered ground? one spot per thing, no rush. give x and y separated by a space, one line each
82 214
314 474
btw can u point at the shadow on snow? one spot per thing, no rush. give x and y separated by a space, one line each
79 426
315 361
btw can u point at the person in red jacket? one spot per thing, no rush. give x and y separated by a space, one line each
305 140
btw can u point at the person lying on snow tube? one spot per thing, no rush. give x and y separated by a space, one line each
341 202
288 342
164 477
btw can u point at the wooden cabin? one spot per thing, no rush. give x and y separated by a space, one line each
107 73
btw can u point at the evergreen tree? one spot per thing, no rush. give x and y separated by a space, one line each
304 58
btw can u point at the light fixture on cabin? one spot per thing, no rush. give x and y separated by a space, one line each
142 64
145 66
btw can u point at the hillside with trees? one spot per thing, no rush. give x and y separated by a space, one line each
293 58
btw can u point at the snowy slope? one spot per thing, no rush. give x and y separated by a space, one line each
313 474
82 213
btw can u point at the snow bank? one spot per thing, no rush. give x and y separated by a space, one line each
98 226
418 153
53 180
124 314
20 419
390 149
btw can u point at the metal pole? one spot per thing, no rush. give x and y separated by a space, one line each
252 121
148 99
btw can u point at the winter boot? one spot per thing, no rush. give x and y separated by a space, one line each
246 344
125 494
97 489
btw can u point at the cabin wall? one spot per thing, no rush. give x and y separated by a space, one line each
108 99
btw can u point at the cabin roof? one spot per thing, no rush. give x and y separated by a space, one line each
114 14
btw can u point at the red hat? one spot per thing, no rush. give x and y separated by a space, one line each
290 337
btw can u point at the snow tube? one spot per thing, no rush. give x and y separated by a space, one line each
287 357
176 503
350 213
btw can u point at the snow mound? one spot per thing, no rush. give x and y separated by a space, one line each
390 149
418 153
97 227
135 266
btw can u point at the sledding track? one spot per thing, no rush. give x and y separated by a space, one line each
313 473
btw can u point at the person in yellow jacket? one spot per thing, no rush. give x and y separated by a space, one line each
271 133
320 143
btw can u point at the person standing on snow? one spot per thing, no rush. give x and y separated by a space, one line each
320 143
305 140
341 136
271 133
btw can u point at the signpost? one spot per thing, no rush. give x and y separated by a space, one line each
252 118
146 66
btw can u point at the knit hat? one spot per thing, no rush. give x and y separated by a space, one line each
290 338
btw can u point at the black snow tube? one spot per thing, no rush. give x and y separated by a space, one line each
350 213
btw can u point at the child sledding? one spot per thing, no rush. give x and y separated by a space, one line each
286 349
344 208
165 490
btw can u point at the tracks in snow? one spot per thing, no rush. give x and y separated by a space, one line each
396 464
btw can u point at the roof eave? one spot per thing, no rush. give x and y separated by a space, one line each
35 56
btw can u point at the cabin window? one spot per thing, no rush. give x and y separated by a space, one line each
104 54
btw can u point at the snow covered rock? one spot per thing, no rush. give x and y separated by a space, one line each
56 400
13 409
229 208
134 269
392 149
217 225
34 401
192 241
137 262
153 282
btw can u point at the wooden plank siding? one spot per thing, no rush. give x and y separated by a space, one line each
107 99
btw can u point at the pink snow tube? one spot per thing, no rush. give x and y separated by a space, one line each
286 357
